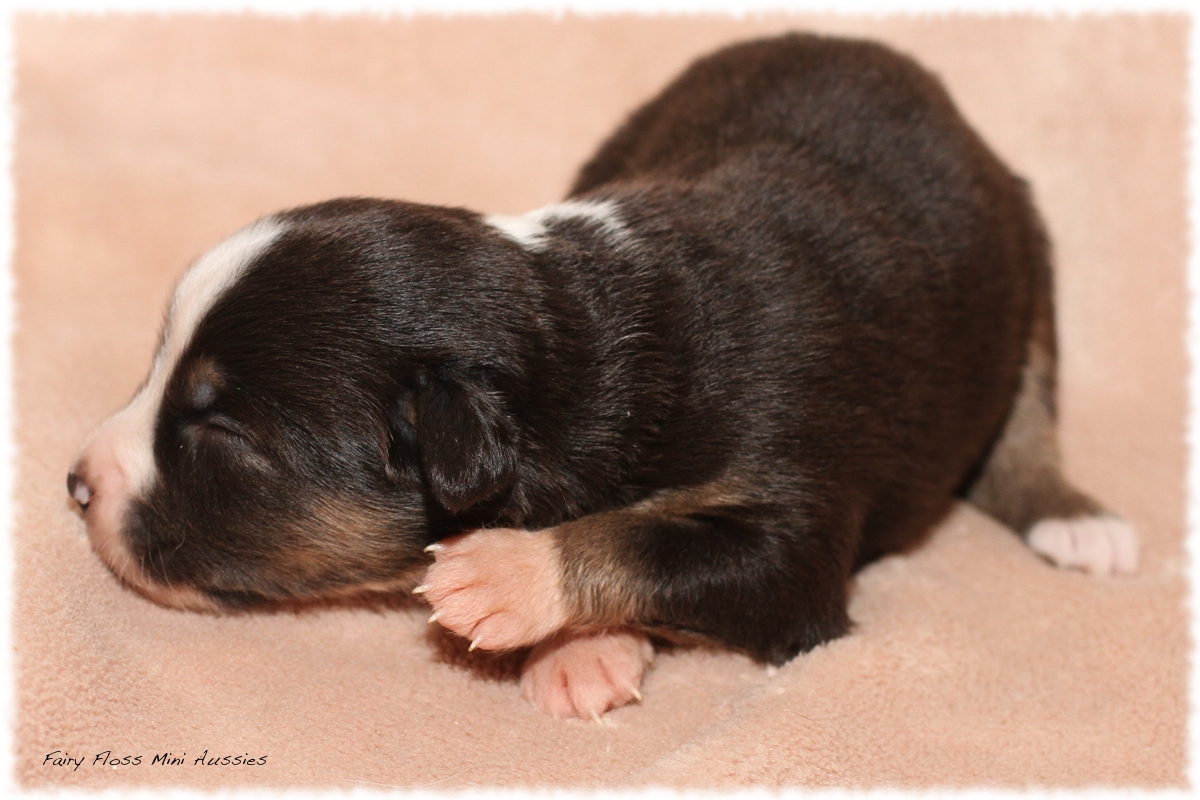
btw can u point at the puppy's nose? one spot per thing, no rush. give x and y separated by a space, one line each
79 489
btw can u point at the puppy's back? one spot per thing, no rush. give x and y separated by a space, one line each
853 103
910 251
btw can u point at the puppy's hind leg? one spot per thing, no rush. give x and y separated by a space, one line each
1022 484
585 673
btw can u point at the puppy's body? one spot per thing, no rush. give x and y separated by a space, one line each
790 309
805 331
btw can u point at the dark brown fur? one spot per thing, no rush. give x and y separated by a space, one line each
829 313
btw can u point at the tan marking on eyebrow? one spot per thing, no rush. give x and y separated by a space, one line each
203 383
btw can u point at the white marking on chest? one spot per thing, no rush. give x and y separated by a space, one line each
133 426
530 229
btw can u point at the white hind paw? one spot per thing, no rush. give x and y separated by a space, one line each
583 674
1101 545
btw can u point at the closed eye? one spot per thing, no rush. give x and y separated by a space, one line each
222 436
217 428
226 425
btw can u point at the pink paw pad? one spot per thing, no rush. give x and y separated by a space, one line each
1101 545
584 674
498 587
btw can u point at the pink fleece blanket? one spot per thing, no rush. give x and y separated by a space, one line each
142 140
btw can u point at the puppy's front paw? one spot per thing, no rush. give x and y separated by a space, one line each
498 587
1101 545
583 674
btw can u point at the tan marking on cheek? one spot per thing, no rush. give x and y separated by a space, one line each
404 582
344 543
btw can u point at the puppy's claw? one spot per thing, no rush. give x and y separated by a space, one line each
497 583
636 694
422 589
474 644
435 548
596 718
432 618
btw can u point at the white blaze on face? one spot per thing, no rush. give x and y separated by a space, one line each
117 461
530 229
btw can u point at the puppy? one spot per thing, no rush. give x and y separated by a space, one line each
790 311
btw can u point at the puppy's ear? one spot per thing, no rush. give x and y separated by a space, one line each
466 450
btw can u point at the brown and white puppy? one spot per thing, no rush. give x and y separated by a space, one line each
789 312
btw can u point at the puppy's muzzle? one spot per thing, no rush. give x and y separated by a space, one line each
98 484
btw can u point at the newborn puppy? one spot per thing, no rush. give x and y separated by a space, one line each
792 308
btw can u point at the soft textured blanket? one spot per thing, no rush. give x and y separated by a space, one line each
142 140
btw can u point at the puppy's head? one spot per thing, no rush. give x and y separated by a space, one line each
332 386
